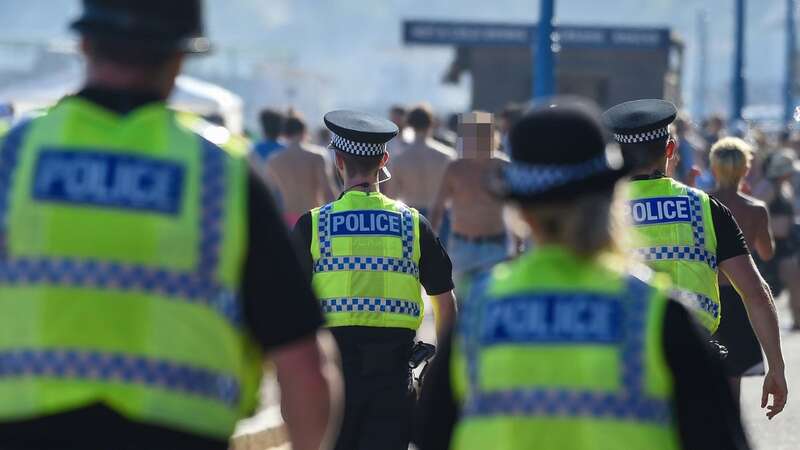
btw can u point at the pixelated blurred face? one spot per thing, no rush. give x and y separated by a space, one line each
476 134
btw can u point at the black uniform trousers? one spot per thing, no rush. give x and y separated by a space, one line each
379 399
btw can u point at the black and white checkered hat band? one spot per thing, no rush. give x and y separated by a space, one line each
638 138
357 148
536 178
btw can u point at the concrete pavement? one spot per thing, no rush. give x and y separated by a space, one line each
782 432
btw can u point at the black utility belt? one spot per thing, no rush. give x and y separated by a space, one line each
377 358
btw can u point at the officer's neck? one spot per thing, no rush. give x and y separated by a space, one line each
112 77
362 184
648 171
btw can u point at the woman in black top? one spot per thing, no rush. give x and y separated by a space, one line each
779 196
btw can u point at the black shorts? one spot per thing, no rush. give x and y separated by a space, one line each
735 333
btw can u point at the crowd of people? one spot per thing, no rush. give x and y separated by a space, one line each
433 166
437 166
763 168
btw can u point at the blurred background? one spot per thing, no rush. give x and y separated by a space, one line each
315 56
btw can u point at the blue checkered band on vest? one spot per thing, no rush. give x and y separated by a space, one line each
364 304
197 286
119 368
523 178
696 252
630 403
329 263
638 138
694 300
355 147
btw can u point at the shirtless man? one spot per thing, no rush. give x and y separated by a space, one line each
730 162
300 175
418 170
397 114
479 238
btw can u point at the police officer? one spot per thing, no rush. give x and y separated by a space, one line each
144 270
570 347
689 235
369 255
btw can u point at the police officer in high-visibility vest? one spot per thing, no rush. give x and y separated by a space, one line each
369 256
144 271
572 347
689 235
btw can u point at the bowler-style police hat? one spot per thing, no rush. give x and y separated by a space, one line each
174 25
640 121
559 151
358 133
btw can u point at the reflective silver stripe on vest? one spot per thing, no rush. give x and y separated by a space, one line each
630 403
697 252
198 286
73 364
329 263
365 304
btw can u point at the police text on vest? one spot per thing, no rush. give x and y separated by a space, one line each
108 180
649 211
365 222
556 318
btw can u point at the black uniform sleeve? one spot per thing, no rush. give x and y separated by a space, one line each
279 306
302 239
708 417
437 410
730 239
435 267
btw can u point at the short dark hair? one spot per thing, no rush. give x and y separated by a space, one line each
294 126
360 165
420 118
129 53
645 154
271 123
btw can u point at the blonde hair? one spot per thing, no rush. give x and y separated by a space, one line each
730 161
589 225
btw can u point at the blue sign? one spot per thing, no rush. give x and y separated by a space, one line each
511 35
108 180
660 210
558 318
425 32
365 223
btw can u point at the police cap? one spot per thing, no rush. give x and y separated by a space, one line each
640 121
165 24
559 150
358 133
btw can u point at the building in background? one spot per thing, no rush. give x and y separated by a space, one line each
609 65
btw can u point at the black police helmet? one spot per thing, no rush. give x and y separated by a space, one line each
559 150
173 25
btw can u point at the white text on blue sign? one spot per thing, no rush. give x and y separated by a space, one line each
659 210
558 318
108 180
365 223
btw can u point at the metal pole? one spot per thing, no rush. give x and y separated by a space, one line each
738 64
701 83
544 83
791 51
